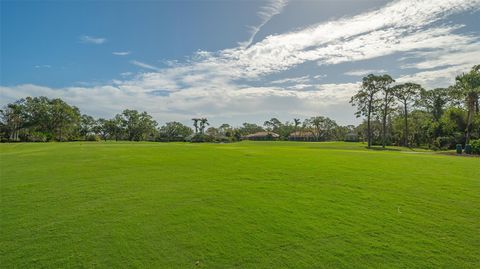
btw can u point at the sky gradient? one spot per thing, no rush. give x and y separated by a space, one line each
229 61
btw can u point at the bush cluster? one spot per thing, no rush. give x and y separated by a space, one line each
475 146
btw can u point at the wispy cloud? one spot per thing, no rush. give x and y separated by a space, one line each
92 40
121 53
266 13
363 72
144 65
126 74
225 82
43 66
301 79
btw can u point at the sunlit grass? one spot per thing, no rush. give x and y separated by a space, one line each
241 205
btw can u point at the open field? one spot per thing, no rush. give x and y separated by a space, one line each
242 205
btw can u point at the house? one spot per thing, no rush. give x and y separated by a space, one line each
302 136
262 136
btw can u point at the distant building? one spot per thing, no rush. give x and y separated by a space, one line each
302 136
262 136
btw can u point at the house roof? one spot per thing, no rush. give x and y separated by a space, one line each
263 134
302 134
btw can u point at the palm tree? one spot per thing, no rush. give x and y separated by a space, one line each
195 124
296 122
203 124
467 87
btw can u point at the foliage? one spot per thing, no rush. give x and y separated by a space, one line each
174 131
92 137
368 102
138 126
53 117
467 87
249 128
323 127
475 146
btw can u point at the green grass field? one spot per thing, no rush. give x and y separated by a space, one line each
242 205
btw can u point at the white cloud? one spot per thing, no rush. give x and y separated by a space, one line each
266 13
301 79
121 53
43 66
209 82
126 74
363 72
92 40
466 54
234 103
440 78
144 65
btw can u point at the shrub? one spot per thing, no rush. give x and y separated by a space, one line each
198 138
92 137
468 149
458 147
445 142
34 137
475 146
223 139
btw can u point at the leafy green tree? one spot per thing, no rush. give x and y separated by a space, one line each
174 131
213 132
101 128
272 124
225 129
386 103
434 101
138 126
323 127
366 99
407 95
63 120
12 120
250 128
114 127
87 124
467 87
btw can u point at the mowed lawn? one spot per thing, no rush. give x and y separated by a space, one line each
241 205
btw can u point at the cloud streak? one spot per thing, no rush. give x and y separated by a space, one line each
266 13
121 53
364 72
144 65
92 40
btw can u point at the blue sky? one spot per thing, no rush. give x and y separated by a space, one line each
231 61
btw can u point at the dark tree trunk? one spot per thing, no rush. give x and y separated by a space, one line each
384 130
405 142
469 125
384 120
369 131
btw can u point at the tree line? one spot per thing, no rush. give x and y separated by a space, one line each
403 114
40 119
407 114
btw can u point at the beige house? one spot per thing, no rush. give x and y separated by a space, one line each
262 136
306 135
